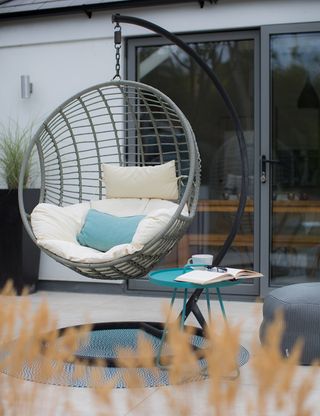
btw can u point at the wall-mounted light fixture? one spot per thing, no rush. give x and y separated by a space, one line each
26 86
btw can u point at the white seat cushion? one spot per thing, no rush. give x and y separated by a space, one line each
56 228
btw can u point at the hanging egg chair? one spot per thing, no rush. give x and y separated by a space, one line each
118 123
123 124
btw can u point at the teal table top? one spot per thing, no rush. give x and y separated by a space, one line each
165 277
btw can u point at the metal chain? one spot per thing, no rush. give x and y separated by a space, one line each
117 46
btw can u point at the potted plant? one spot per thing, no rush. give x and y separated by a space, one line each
19 257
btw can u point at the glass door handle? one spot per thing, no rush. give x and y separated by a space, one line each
264 161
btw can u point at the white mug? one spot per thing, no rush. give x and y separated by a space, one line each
201 259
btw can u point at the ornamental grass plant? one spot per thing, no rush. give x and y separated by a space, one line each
275 380
14 141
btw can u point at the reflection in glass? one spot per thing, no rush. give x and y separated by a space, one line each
295 63
172 71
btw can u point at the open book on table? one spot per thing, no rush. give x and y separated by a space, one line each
206 277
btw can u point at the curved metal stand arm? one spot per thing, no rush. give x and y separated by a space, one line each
117 18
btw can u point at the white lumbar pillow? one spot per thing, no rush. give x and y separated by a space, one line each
56 228
158 181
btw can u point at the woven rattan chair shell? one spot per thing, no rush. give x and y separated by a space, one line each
122 122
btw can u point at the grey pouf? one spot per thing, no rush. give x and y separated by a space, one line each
300 304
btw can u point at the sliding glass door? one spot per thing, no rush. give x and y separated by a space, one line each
235 58
291 142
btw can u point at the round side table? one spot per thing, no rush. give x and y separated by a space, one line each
166 278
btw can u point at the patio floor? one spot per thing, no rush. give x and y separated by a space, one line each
78 308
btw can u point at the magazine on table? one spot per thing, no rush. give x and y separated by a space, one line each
216 274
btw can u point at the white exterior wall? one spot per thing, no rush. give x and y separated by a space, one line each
65 54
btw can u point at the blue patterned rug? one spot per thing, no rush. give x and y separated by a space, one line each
102 344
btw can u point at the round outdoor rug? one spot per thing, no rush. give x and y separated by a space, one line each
103 343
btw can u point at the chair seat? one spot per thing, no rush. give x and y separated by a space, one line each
56 228
300 305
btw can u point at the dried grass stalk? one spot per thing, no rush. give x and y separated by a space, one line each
278 386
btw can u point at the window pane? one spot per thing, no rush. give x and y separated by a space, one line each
172 71
295 60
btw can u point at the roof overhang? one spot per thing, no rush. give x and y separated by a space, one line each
88 9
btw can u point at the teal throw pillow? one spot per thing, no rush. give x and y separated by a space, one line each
103 231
